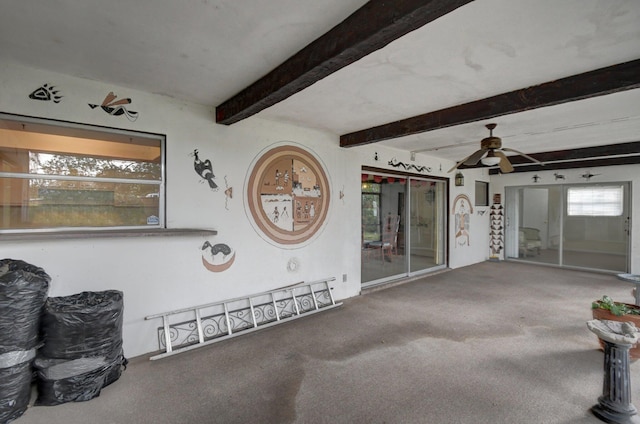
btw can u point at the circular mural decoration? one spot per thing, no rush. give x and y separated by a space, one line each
288 195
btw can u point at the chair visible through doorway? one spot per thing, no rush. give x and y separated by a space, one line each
388 244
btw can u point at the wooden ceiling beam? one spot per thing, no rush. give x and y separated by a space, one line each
612 79
617 149
370 28
586 163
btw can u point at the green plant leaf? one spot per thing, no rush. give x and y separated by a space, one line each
616 308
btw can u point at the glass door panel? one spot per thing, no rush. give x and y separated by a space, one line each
426 224
382 252
596 230
370 216
540 223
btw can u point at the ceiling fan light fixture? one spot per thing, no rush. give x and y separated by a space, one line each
490 160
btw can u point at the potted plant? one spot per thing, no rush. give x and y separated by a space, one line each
607 309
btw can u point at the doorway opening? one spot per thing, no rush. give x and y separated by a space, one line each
403 226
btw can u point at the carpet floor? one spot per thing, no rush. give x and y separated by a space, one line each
489 343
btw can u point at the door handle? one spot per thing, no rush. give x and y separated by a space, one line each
627 226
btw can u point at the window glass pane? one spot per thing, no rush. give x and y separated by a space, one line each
371 216
594 201
86 166
55 175
482 193
42 203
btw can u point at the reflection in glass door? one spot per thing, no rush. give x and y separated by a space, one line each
402 231
584 226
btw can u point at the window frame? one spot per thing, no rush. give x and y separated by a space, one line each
107 134
481 193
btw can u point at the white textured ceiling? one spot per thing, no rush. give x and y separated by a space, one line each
205 51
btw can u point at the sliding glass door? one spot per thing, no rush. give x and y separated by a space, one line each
403 226
582 226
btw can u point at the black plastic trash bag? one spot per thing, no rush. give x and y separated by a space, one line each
23 291
60 380
15 383
87 324
82 350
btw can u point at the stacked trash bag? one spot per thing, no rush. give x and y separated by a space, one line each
71 346
23 292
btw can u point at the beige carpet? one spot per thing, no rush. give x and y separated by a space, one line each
490 343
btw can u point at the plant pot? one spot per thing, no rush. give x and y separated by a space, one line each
634 352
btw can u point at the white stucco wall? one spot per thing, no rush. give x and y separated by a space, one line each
621 173
159 274
478 248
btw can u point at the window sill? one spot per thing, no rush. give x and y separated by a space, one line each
88 234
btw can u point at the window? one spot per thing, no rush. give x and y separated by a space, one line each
595 201
482 193
60 176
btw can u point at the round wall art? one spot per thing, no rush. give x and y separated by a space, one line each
288 195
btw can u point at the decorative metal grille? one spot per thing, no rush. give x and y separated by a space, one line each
213 326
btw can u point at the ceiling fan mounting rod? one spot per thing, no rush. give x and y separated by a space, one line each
491 142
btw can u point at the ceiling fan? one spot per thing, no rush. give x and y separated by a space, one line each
491 153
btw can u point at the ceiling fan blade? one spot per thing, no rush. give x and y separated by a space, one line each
458 164
521 154
475 157
505 165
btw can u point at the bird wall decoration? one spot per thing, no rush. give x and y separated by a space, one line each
204 169
588 175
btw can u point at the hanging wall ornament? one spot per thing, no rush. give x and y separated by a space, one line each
396 164
228 193
496 243
46 93
116 107
588 175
